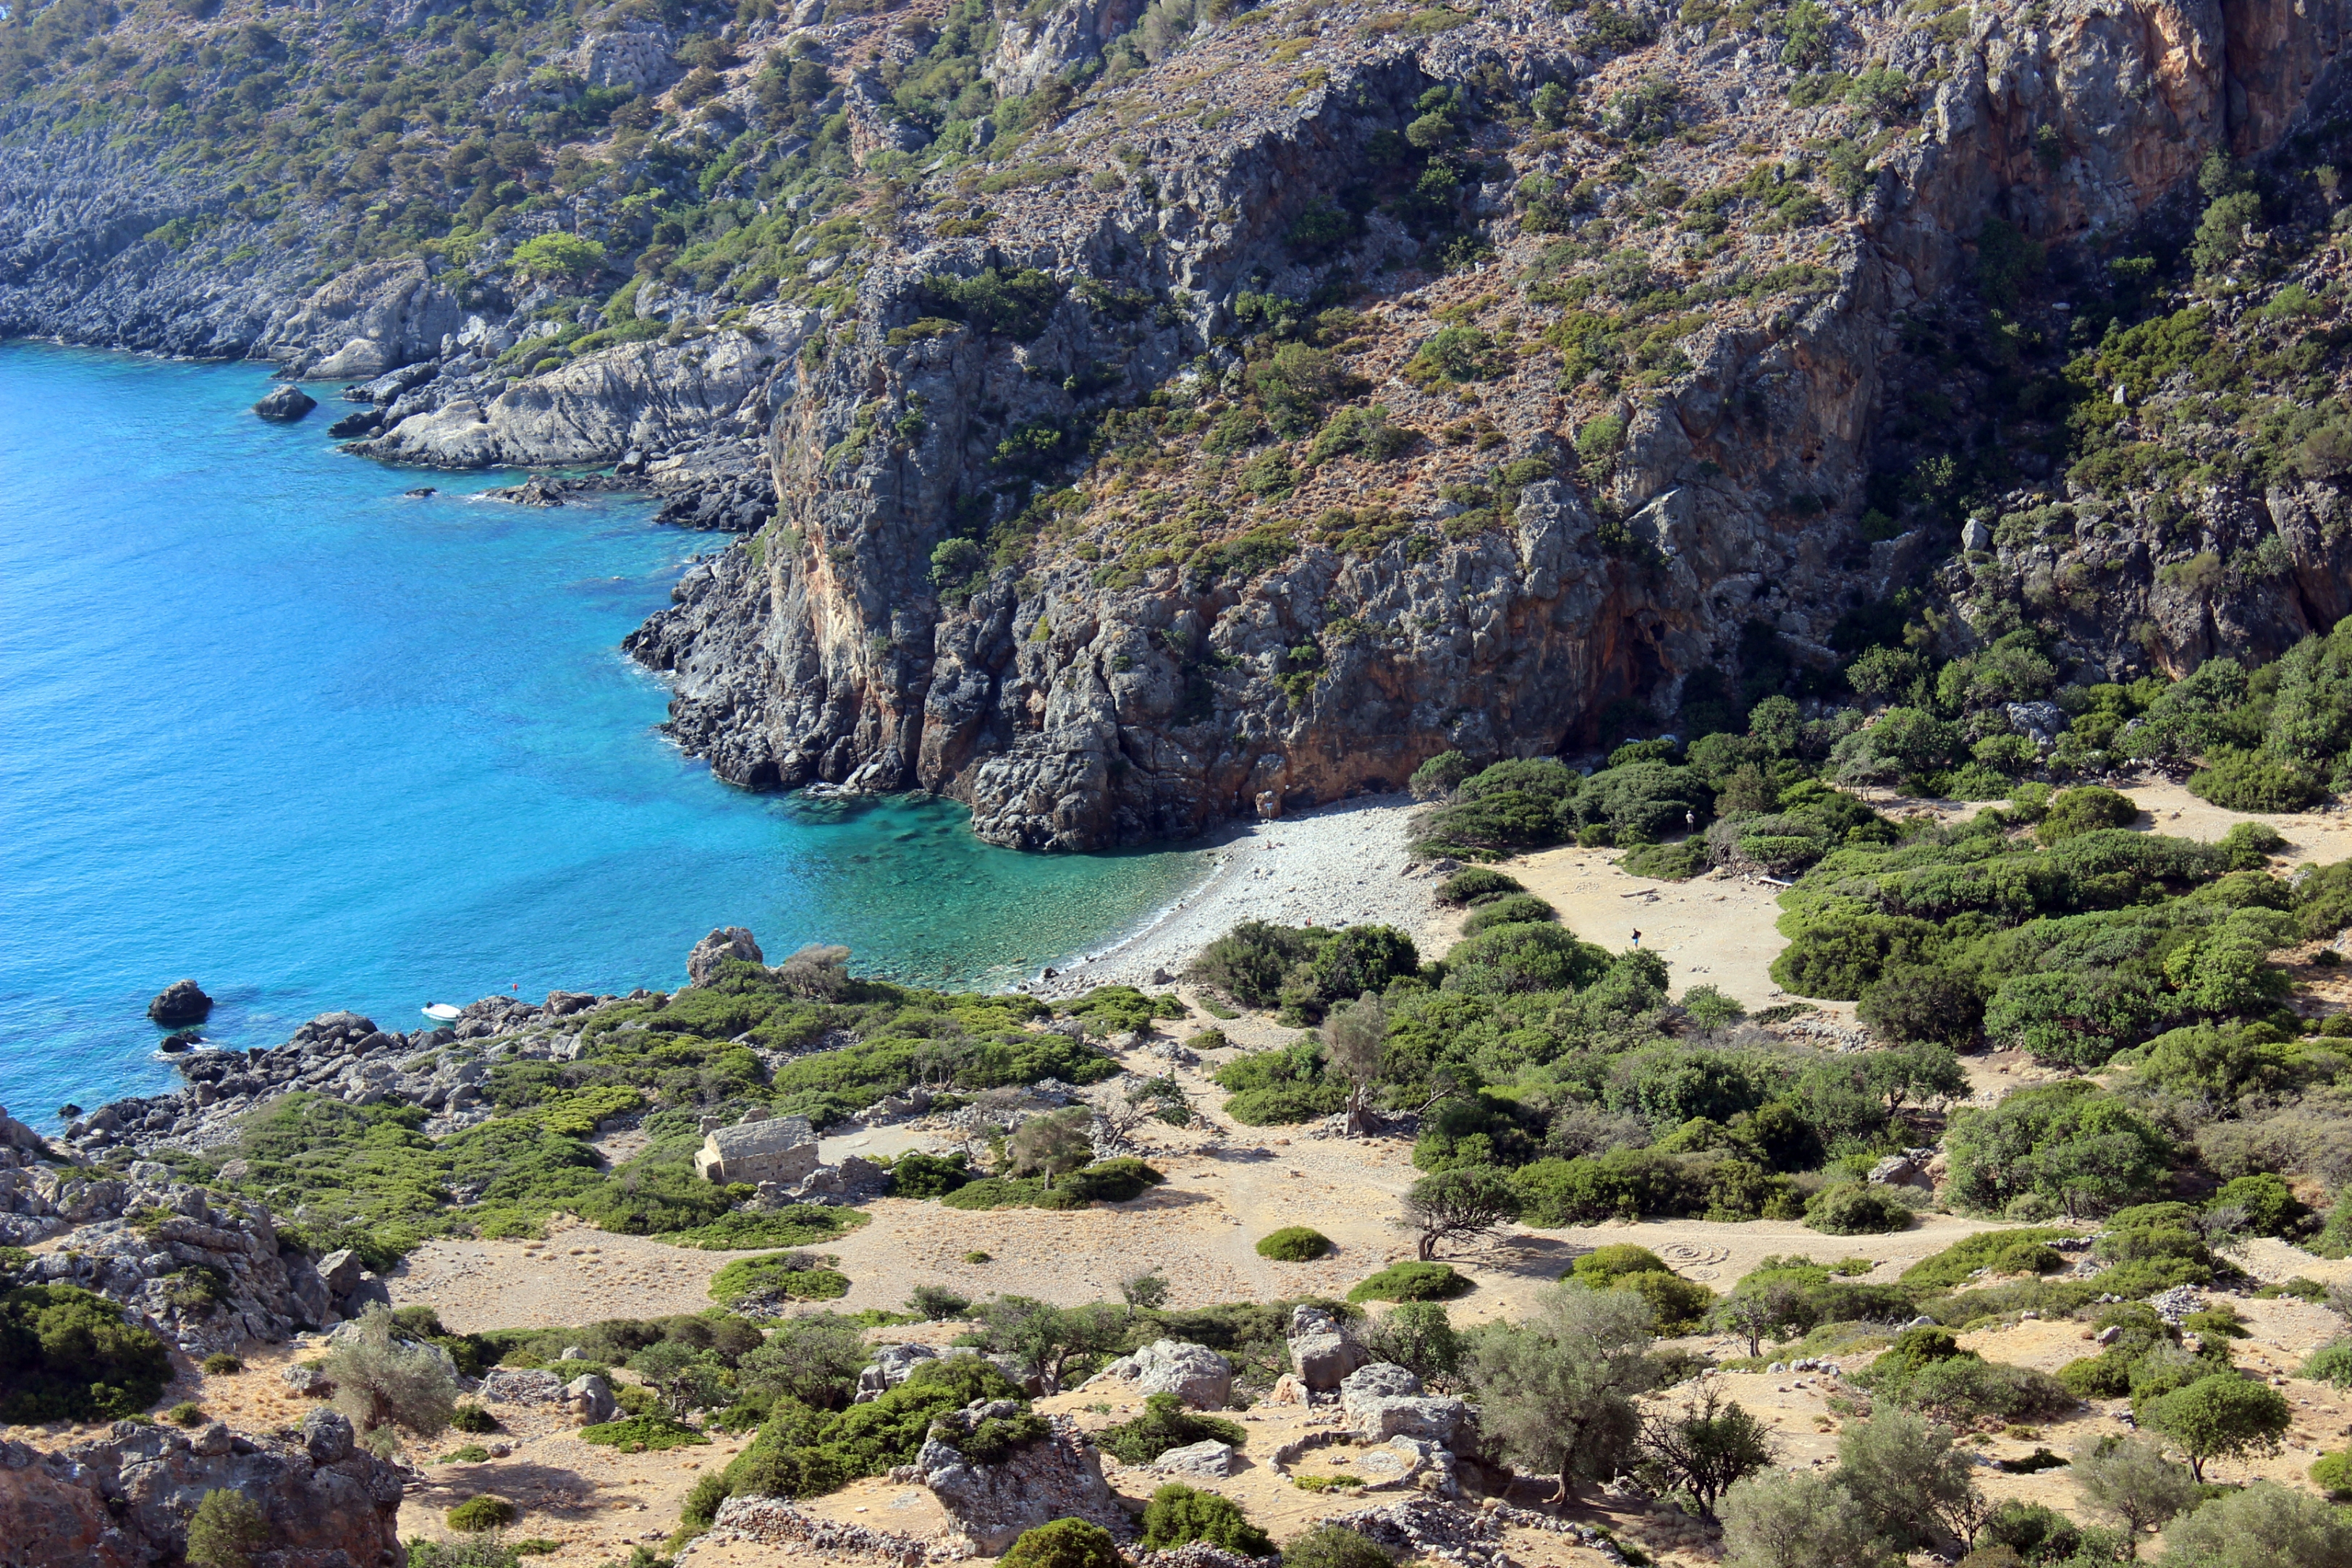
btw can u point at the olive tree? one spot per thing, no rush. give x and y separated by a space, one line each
1055 1144
1782 1518
814 1359
1355 1043
1458 1204
1705 1446
2225 1416
2265 1526
1915 1489
2129 1481
1557 1390
383 1381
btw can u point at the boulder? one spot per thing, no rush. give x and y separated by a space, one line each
1210 1461
1058 1476
520 1385
892 1365
1193 1372
1323 1349
327 1435
183 1001
308 1381
341 1271
589 1398
284 406
1383 1401
734 942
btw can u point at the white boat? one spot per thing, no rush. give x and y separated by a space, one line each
441 1012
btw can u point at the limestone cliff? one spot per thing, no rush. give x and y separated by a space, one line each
1174 634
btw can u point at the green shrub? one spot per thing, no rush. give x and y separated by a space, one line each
2254 781
1065 1544
1412 1281
67 1354
643 1434
480 1513
1294 1244
473 1418
2332 1473
2101 1376
1165 1424
1519 908
2085 809
470 1453
1951 1268
1856 1208
917 1175
2330 1363
1475 884
220 1363
1601 1267
1680 1305
1439 777
778 1276
227 1529
1334 1546
1106 1181
1178 1515
187 1414
2082 1149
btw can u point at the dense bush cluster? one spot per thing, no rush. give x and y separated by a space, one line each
68 1356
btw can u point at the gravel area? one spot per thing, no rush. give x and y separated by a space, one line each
1342 864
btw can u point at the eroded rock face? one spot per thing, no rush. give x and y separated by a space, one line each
733 943
375 318
124 1500
206 1275
1074 708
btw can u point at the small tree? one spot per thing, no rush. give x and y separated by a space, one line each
1143 1292
1923 1072
1705 1447
383 1381
687 1379
1779 1520
1775 1309
1355 1044
1474 1200
814 1359
228 1529
2129 1481
1909 1482
1054 1143
2222 1415
1049 1341
1558 1390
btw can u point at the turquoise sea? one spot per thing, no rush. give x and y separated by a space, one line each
265 723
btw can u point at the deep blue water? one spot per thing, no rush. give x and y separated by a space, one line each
265 723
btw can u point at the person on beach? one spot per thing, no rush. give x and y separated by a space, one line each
1637 938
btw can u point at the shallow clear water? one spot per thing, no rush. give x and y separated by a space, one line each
265 723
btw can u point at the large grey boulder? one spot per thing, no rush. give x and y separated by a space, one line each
589 1398
1383 1401
892 1365
1210 1460
1193 1372
1058 1476
1323 1349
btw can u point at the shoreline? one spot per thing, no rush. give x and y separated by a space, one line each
1341 864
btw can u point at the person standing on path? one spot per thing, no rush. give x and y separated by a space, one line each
1637 939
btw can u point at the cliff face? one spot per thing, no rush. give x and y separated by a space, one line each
1171 640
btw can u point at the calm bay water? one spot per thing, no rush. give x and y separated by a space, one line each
266 723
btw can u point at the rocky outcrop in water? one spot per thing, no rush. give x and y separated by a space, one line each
124 1500
180 1003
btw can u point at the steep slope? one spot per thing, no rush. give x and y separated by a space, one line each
1182 411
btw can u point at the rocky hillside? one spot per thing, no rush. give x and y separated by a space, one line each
1189 410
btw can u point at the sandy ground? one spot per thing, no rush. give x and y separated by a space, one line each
578 1275
1342 864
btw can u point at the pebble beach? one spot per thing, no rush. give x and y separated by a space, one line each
1342 864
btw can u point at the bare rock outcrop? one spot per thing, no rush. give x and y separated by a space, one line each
1193 1372
1057 1477
375 318
124 1500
